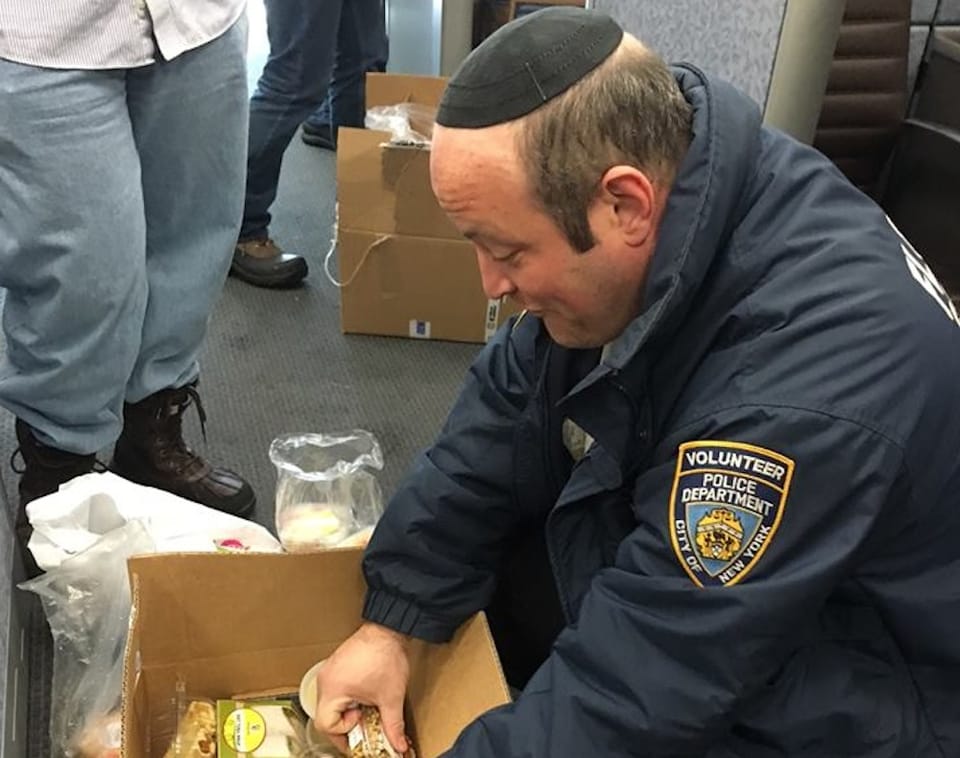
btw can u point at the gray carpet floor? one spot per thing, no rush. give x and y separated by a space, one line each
276 362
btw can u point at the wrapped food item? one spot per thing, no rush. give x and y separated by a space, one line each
196 735
266 728
100 738
357 539
368 740
314 526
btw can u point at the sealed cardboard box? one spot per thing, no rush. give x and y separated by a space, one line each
406 270
417 287
221 625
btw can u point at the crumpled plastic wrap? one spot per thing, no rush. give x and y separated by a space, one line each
408 123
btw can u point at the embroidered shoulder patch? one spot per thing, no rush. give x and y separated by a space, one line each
725 507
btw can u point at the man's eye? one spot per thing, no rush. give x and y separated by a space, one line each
509 257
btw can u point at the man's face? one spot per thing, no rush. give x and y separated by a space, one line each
584 299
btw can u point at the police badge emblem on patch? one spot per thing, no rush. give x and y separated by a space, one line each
725 507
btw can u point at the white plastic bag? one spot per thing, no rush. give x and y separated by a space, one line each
87 603
82 538
87 508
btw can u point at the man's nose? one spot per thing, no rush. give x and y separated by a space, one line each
496 283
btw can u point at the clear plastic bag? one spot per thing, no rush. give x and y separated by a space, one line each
185 726
87 603
325 496
408 123
319 745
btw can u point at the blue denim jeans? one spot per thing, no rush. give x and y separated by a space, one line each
362 46
304 39
120 198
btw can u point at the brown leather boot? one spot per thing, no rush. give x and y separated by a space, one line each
262 263
44 470
151 451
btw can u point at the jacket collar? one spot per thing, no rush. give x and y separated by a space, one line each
704 207
702 211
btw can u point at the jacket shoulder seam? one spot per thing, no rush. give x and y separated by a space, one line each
873 429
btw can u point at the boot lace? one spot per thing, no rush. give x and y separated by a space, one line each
170 442
66 468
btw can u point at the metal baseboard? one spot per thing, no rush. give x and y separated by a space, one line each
15 609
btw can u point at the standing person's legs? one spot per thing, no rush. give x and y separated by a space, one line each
72 241
189 120
361 47
294 81
317 128
190 128
321 116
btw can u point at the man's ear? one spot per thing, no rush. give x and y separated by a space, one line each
632 198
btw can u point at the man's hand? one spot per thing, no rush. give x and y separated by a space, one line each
371 667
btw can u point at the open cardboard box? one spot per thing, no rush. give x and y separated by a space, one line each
242 623
406 270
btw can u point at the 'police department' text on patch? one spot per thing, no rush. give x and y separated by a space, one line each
726 504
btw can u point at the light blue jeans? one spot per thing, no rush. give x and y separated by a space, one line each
121 194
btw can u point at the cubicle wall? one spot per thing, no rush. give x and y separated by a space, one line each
709 34
714 35
777 51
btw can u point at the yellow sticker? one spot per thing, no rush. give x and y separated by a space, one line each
725 507
244 730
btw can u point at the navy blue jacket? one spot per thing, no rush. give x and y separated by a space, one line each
760 554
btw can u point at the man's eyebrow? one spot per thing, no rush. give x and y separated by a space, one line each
472 234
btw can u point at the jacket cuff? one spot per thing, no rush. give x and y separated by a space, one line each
403 616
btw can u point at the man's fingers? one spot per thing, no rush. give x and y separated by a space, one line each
393 727
340 743
336 723
337 717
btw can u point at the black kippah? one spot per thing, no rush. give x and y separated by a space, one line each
526 63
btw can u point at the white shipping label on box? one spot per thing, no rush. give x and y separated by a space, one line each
420 329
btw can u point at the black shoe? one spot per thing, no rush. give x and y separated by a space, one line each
44 470
262 263
151 451
318 136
